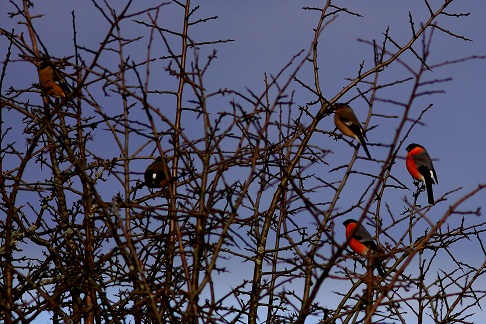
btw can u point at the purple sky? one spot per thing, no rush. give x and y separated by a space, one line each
268 33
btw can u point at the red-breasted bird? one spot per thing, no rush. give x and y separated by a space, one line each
51 81
420 166
361 242
155 176
347 122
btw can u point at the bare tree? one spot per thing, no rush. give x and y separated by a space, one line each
223 240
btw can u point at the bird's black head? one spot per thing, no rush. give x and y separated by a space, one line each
349 221
44 64
412 146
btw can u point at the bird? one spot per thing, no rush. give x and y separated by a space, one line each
155 176
347 122
361 242
420 167
51 81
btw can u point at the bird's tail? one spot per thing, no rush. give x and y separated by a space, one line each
428 186
361 140
379 266
366 150
430 193
375 259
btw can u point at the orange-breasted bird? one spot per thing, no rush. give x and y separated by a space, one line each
361 242
347 122
51 81
420 166
155 176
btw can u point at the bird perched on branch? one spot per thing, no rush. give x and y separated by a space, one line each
51 80
361 242
420 167
347 122
155 176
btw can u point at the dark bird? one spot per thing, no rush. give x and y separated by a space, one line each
155 176
361 242
420 167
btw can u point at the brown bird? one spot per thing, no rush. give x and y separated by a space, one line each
348 124
51 81
155 176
